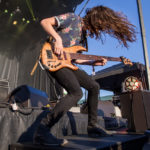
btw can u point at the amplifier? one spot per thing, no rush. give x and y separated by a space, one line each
135 106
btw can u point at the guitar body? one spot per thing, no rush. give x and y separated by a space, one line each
52 62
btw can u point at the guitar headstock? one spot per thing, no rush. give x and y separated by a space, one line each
126 61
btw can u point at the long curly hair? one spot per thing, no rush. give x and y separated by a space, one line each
100 20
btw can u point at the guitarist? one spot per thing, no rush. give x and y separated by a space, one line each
69 30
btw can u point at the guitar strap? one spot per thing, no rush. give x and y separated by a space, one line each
84 39
35 66
38 60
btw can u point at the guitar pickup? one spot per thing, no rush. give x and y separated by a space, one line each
49 54
57 65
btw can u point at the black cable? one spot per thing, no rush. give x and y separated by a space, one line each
83 7
54 85
4 104
25 111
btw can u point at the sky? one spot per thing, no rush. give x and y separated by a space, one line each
111 46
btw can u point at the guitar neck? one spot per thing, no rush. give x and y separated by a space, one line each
93 57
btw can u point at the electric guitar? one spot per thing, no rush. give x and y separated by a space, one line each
53 62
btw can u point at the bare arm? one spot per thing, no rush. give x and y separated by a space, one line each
47 25
91 62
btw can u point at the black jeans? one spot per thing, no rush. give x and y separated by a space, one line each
72 81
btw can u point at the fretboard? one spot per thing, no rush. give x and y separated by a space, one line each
93 57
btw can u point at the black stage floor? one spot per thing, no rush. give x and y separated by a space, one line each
83 142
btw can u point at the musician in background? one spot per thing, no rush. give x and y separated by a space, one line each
69 30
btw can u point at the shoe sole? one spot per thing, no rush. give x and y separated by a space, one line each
64 142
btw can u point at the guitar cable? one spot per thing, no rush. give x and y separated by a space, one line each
54 84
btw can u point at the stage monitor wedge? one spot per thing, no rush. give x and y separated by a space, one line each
29 97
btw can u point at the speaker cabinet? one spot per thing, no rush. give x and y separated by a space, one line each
28 96
135 107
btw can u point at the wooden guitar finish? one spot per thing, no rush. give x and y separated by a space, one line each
52 62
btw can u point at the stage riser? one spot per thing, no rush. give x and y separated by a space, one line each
117 142
17 127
